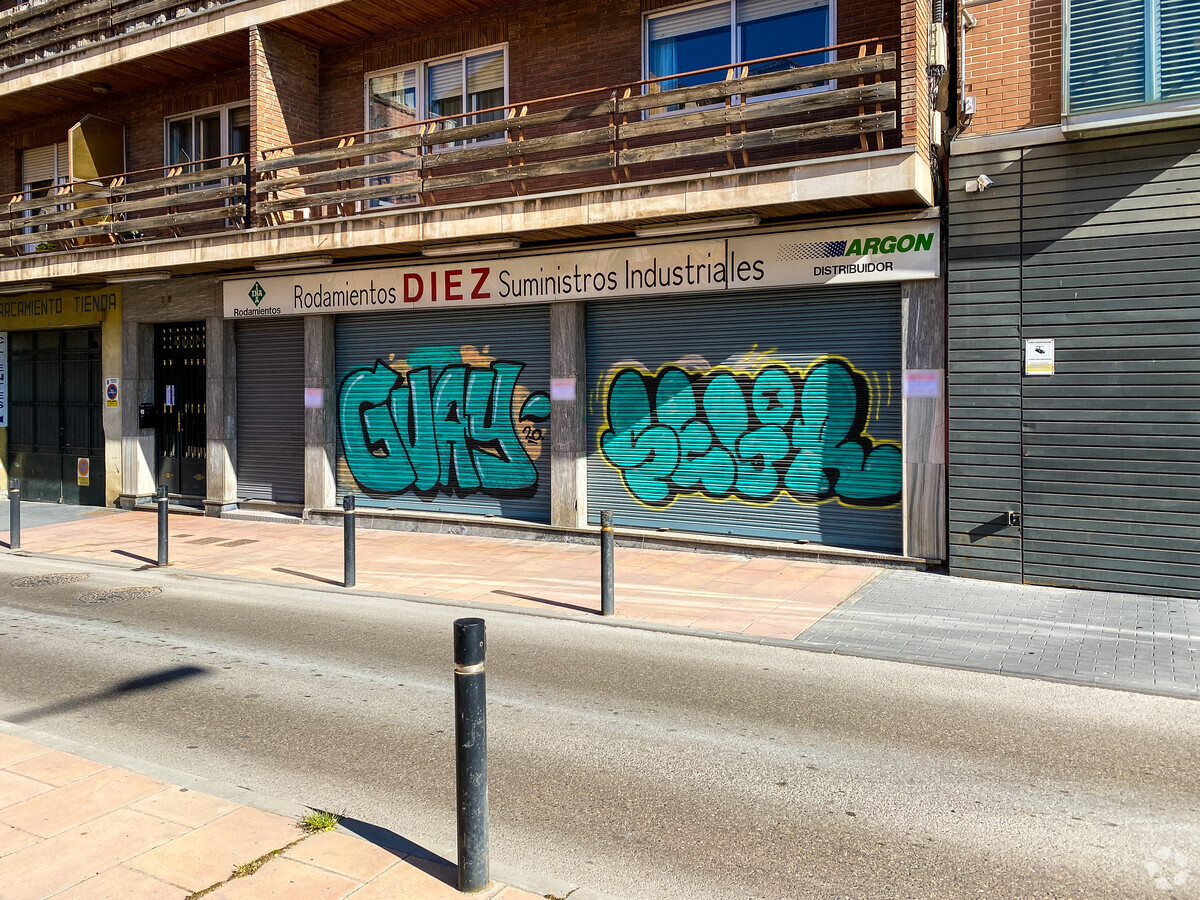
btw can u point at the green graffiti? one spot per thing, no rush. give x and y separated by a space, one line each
730 435
444 427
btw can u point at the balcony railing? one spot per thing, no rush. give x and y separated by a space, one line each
631 133
31 31
765 111
152 204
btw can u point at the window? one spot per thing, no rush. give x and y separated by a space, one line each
720 34
208 138
457 86
42 170
1123 53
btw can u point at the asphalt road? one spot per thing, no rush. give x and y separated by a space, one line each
631 763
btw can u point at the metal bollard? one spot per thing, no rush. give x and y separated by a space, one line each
14 514
348 564
163 502
608 600
470 739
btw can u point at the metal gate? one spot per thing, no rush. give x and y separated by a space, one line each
768 415
54 404
270 411
446 411
180 398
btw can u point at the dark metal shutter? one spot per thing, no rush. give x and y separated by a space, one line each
446 411
1111 478
270 410
774 415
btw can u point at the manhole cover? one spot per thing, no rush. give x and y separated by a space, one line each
240 542
207 540
49 580
120 595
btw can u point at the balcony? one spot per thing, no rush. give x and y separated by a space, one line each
773 136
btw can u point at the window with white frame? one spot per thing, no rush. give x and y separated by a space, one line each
461 87
208 138
1126 53
721 34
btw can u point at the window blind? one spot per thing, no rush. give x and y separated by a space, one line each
39 163
752 10
1107 53
1180 65
706 18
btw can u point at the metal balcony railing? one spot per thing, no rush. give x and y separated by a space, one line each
774 110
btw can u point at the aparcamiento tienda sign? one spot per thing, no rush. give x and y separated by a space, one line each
875 253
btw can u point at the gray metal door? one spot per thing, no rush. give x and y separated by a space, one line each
270 410
768 415
1110 477
446 411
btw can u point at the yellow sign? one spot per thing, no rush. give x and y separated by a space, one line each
83 471
60 309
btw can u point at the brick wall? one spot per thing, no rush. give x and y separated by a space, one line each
142 115
1013 65
284 89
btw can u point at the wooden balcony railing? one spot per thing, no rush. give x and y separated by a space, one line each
31 31
172 201
631 133
767 111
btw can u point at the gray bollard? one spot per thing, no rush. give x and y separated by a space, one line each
163 503
349 562
470 739
608 601
14 514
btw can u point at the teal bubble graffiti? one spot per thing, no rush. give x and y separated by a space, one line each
443 427
751 437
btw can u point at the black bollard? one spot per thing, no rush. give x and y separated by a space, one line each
607 591
163 502
14 514
470 738
348 564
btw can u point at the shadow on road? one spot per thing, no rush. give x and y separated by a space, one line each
121 688
141 559
307 575
390 841
582 609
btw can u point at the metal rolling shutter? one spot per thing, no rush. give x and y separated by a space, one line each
270 410
446 411
1111 478
720 415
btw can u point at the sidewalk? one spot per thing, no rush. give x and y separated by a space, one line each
75 829
769 598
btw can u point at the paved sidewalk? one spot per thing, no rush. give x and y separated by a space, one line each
1087 637
75 829
768 598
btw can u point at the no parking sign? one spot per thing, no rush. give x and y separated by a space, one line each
112 392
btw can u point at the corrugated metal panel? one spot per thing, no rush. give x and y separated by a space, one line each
984 358
768 415
446 411
1099 457
270 410
1110 489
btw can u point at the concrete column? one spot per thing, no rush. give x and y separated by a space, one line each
924 440
320 414
568 417
112 366
221 418
137 387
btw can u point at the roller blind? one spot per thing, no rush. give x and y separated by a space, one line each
706 18
1180 26
39 163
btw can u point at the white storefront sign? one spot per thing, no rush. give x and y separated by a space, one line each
852 254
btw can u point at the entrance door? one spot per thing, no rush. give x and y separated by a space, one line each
56 438
179 395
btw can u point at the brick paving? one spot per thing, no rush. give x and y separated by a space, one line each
75 829
760 597
1087 637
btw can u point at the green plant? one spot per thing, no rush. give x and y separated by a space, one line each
47 246
317 820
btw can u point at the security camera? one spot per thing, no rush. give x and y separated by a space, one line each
982 183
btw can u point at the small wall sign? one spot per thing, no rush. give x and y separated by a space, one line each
1039 357
83 471
112 392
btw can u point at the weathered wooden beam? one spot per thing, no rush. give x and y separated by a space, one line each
517 173
729 143
330 198
549 144
764 109
154 222
124 207
771 83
